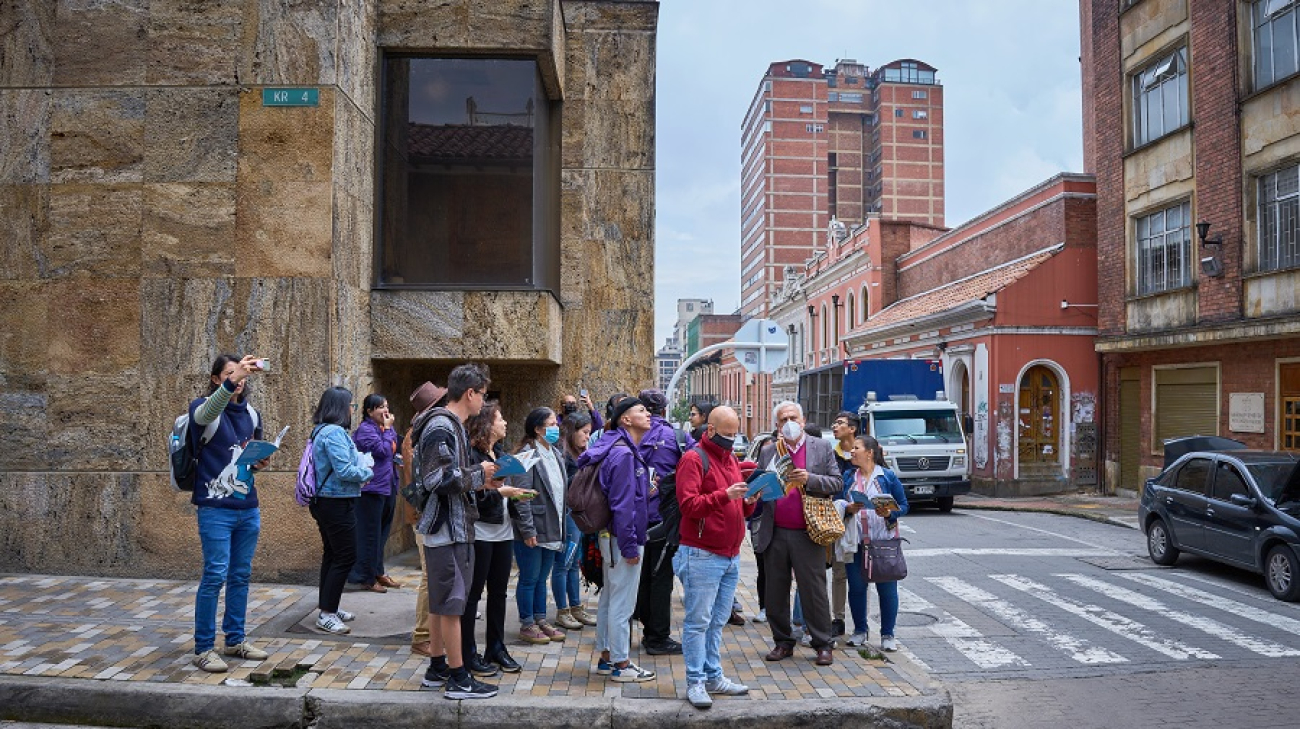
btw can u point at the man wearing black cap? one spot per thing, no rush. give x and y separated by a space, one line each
661 448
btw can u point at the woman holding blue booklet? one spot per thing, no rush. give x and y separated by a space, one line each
878 487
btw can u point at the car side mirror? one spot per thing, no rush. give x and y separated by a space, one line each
1243 500
968 423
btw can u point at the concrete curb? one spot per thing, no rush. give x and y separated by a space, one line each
182 706
1091 516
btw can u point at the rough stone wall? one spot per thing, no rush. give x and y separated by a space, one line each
161 215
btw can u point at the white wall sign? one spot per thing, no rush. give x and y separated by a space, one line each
1246 412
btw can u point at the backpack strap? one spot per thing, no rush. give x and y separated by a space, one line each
681 440
257 421
704 460
209 431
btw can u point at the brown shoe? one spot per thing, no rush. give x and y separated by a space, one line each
387 581
423 648
780 652
736 618
374 587
825 657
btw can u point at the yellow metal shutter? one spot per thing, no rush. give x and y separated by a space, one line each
1187 403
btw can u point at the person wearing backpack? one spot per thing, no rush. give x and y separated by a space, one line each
566 578
661 448
229 518
625 479
340 474
424 397
711 494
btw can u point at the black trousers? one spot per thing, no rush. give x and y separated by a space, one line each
336 519
793 554
492 570
374 523
762 581
654 597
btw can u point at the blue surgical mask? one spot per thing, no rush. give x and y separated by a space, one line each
552 434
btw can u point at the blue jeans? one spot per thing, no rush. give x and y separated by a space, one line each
229 538
374 523
534 570
708 586
887 592
565 577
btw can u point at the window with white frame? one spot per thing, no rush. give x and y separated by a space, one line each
1274 40
920 114
1160 97
918 94
1164 250
1279 220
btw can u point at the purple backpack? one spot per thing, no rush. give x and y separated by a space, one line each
305 492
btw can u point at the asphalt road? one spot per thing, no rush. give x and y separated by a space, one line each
1038 620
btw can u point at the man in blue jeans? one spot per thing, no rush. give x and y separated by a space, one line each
711 495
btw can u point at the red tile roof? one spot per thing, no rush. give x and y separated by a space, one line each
456 142
952 295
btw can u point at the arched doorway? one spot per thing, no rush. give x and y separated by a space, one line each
1038 417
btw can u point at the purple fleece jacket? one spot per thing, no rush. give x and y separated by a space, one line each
370 439
659 450
626 481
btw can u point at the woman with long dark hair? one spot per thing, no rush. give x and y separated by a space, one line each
570 614
873 479
339 476
378 501
494 538
229 518
539 524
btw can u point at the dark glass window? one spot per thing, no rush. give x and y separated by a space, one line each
469 190
1228 481
1194 476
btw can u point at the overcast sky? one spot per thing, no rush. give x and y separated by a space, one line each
1012 105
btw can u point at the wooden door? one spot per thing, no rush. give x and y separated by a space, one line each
1038 416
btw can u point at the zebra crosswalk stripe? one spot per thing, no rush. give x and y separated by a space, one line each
1114 622
1240 609
1199 622
1075 647
962 636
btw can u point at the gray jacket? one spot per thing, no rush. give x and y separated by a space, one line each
542 516
823 480
444 472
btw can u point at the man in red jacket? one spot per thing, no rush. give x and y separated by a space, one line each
711 495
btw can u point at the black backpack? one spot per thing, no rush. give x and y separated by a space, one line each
670 512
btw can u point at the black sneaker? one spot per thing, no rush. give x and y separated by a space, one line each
470 688
837 627
480 667
435 677
507 664
669 647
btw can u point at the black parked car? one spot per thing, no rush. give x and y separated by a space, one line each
1240 507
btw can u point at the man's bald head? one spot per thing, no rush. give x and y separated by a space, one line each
725 421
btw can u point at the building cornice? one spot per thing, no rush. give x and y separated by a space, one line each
1201 336
969 312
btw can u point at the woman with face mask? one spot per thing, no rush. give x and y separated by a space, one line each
539 524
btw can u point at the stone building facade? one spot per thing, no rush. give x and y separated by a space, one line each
1195 119
159 207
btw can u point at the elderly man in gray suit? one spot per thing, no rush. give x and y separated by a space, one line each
782 536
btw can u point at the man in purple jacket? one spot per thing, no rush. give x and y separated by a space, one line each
661 448
625 478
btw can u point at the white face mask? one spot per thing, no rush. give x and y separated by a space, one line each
792 430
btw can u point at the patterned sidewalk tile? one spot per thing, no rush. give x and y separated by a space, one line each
141 630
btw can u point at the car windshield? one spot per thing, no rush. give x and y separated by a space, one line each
1272 479
913 425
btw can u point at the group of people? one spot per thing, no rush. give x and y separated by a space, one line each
678 506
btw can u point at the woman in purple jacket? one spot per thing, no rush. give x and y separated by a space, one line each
377 437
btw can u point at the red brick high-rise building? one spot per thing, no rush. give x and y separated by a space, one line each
835 144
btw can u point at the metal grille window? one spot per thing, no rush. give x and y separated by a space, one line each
1160 98
1279 220
1274 36
1164 245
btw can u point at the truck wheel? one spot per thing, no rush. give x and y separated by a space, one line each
945 503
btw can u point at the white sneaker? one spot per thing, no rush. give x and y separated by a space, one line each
761 617
344 615
332 623
726 687
887 643
210 662
698 696
858 639
805 639
631 673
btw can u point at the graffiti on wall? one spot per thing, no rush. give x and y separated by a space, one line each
1082 407
1003 459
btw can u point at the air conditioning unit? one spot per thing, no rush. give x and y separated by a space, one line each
749 411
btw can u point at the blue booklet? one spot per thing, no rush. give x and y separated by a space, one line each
768 487
256 450
516 465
